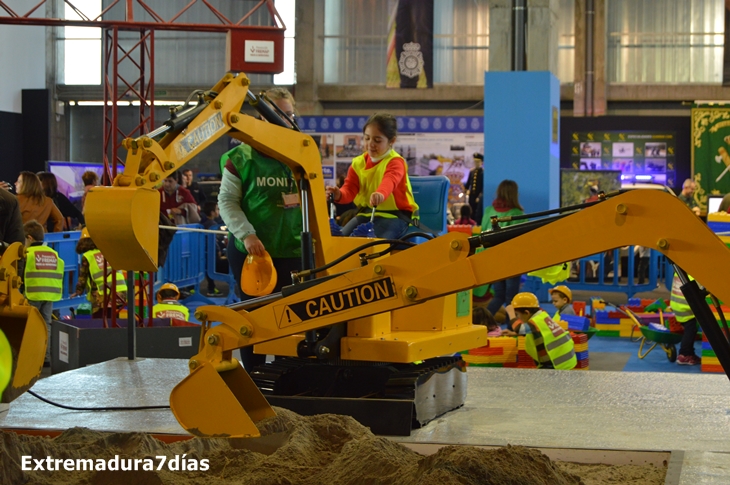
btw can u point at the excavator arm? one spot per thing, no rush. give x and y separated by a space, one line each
123 219
417 275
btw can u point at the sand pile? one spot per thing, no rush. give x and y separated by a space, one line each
315 450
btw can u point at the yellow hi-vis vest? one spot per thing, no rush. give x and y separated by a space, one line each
557 342
370 180
43 274
171 309
96 270
680 307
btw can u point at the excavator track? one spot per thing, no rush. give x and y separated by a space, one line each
391 399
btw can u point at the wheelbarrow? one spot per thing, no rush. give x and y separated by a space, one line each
667 340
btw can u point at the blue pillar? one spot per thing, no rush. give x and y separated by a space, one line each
521 133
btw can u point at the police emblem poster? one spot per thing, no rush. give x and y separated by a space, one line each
430 145
642 157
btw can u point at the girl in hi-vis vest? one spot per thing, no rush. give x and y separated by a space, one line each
379 179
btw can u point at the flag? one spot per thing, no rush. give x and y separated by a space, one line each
410 44
710 151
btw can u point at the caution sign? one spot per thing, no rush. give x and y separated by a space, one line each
338 301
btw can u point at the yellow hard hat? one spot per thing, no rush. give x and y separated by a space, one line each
525 300
84 233
564 290
258 276
170 287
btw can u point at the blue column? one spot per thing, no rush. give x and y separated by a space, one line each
521 133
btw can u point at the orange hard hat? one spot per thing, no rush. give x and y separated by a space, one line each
564 290
258 276
525 300
169 287
84 233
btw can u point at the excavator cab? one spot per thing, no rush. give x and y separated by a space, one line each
24 332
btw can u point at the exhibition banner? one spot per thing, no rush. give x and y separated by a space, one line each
410 44
710 147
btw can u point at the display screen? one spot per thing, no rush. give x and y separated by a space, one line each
646 157
68 175
578 186
713 203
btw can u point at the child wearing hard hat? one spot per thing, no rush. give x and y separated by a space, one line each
547 343
92 275
562 299
168 305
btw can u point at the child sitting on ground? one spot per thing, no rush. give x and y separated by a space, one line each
482 316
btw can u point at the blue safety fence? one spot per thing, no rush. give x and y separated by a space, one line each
186 259
64 243
600 272
212 270
190 257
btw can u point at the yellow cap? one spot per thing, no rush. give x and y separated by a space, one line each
258 276
84 233
564 290
525 300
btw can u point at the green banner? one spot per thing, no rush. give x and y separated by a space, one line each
710 152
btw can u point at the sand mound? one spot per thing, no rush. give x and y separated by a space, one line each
309 450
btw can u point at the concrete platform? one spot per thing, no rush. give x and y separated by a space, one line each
688 415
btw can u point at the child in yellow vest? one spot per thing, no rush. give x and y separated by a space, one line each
43 275
167 304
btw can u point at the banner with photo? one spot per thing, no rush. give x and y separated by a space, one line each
410 44
710 151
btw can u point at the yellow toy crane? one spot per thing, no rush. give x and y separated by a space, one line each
378 325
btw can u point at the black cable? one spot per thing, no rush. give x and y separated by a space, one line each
404 238
111 408
353 252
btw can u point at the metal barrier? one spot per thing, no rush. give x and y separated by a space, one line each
186 259
602 265
628 284
211 269
64 243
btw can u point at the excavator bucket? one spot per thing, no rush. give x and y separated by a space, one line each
27 336
213 404
123 222
23 326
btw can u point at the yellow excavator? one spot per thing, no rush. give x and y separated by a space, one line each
366 321
23 332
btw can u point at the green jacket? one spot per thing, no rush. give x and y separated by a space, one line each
490 212
264 181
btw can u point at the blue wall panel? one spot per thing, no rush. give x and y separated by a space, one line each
519 139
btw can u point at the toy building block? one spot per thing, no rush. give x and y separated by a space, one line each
656 306
580 324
